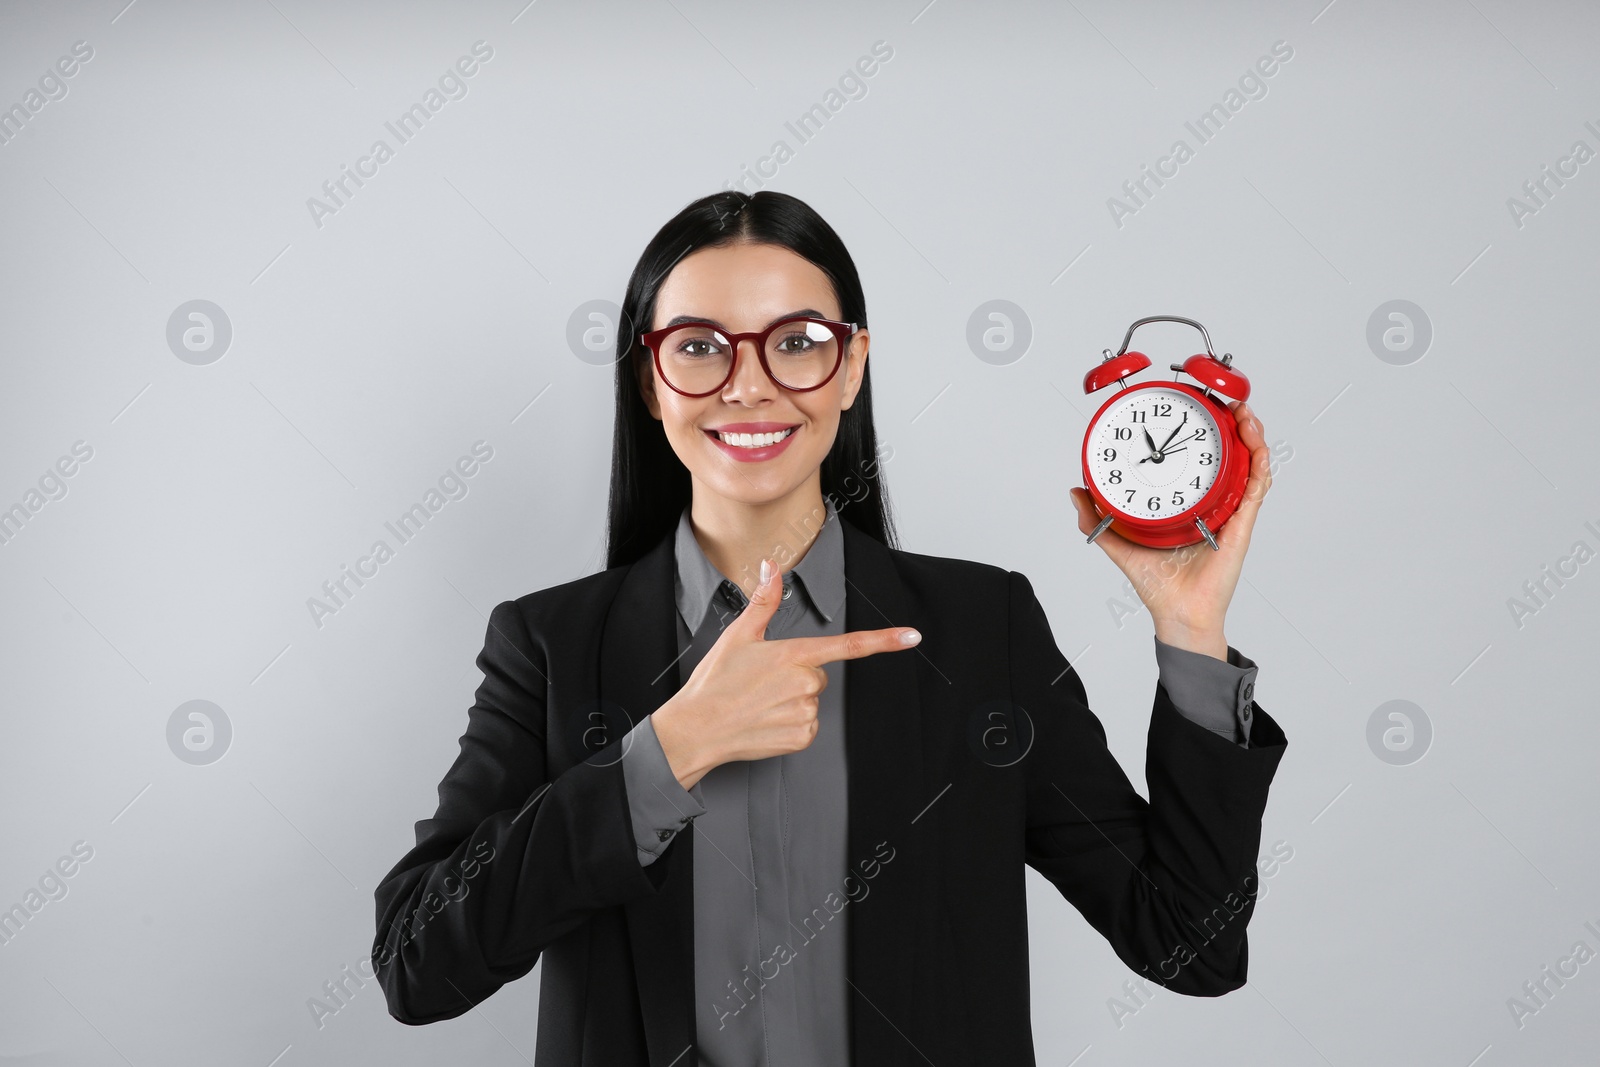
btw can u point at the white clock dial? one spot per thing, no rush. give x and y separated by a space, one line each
1145 423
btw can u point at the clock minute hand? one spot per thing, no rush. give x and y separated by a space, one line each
1174 432
1191 437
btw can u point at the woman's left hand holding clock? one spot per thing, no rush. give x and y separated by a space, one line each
1187 590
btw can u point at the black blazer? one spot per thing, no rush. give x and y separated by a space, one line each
531 852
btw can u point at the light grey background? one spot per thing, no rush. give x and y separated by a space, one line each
1410 505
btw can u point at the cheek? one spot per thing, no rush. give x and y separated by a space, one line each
825 411
680 421
823 424
678 414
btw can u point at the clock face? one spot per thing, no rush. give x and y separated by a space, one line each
1154 453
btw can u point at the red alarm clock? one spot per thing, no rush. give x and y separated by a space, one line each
1163 461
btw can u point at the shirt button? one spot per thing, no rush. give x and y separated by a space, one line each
1246 715
787 590
662 835
1249 687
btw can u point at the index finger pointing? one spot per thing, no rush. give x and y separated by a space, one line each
815 651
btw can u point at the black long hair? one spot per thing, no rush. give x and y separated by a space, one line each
649 485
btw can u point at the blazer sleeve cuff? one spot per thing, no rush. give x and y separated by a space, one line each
658 805
1217 694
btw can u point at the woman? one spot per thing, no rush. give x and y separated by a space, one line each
763 790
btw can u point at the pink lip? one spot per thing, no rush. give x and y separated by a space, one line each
754 427
754 455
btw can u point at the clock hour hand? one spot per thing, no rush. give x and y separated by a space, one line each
1151 441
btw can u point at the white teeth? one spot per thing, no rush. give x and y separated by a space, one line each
754 440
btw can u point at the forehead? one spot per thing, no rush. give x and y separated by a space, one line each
744 285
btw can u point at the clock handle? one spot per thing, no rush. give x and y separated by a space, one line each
1167 318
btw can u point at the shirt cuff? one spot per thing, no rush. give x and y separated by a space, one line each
1216 694
658 805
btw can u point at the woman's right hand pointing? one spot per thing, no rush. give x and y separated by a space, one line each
751 698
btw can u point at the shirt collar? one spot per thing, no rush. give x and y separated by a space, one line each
820 571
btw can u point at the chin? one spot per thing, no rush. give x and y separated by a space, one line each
756 488
755 491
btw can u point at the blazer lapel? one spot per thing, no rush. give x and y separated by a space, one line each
884 753
884 750
639 672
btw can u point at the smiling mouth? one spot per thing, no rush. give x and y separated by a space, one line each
751 440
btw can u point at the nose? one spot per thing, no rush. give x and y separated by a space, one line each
750 383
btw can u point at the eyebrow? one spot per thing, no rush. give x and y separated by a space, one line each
812 312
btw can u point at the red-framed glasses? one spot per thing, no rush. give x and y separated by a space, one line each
699 358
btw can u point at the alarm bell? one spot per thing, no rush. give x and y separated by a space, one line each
1204 367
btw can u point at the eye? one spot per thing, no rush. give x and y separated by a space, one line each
797 338
696 347
805 343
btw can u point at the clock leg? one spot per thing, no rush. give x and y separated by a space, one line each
1098 530
1206 533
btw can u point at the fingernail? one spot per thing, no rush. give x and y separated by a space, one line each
910 637
766 571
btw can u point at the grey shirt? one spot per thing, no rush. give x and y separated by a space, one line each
770 835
